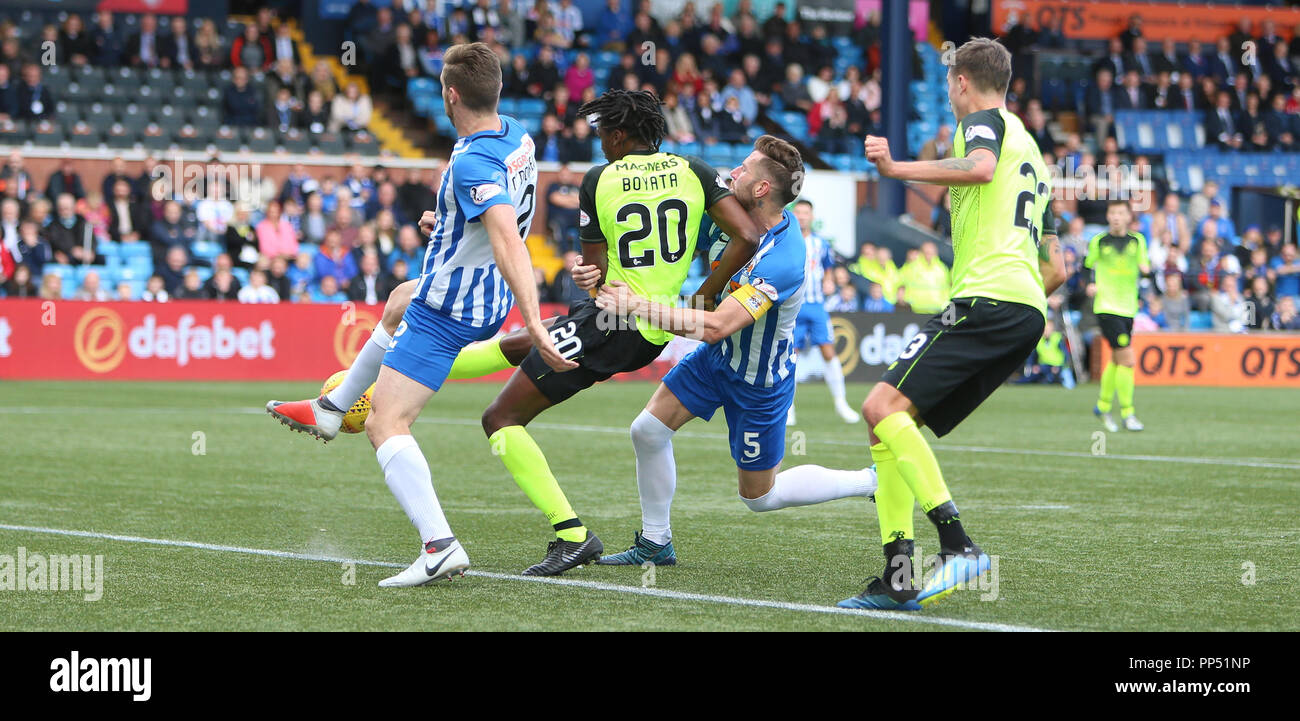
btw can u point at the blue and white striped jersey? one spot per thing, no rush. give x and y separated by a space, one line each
460 276
763 354
819 261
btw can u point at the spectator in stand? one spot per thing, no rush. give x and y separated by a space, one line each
875 301
314 222
191 287
1101 104
1285 316
20 285
170 230
178 49
155 291
1228 309
8 95
143 50
172 271
550 140
90 289
430 55
1224 229
36 251
1261 307
736 88
257 290
35 102
613 28
577 148
1221 125
222 286
409 249
562 209
51 286
347 224
327 292
322 80
544 74
370 285
251 50
731 121
938 147
275 234
1283 127
241 238
277 278
68 235
109 46
300 277
1177 305
1286 272
1169 219
334 260
10 219
240 103
314 117
579 76
350 111
209 49
845 300
75 44
1132 95
402 61
65 180
385 198
1205 272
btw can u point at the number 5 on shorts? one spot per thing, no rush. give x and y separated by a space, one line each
752 448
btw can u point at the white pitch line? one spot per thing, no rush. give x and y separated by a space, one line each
622 431
568 582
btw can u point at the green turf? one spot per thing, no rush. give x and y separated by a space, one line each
1084 540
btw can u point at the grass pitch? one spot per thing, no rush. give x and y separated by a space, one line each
1190 525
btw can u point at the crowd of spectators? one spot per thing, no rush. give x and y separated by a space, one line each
313 239
267 87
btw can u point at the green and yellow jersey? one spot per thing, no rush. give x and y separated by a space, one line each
925 285
1116 262
647 208
997 227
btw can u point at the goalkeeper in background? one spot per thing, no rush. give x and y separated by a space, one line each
1116 261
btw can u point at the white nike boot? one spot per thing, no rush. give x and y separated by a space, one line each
432 565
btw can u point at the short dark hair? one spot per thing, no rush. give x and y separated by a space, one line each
475 72
986 63
804 201
1120 202
635 112
783 166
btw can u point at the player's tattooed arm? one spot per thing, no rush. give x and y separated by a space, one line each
744 235
709 326
974 169
1051 264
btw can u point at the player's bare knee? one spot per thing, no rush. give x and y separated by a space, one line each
395 308
495 418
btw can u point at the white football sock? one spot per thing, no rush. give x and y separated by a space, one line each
835 379
364 370
806 485
407 474
656 475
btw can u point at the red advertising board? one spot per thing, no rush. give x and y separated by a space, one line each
1214 359
197 340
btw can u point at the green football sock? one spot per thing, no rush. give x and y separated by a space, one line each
479 359
1124 383
1107 387
915 461
526 463
894 500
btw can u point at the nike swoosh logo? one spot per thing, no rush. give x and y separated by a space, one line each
434 571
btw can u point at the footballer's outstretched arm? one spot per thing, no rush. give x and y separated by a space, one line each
735 312
516 267
974 169
732 219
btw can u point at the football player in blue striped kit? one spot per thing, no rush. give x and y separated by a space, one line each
475 269
814 323
746 366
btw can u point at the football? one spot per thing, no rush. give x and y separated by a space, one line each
354 421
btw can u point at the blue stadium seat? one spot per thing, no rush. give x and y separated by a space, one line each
204 273
136 250
63 271
508 106
241 274
83 270
130 273
207 250
1199 320
532 106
